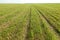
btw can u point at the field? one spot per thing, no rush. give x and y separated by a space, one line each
29 21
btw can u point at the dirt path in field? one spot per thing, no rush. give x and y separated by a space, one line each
23 32
48 22
50 25
11 22
28 26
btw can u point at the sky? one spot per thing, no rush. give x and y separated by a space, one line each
29 1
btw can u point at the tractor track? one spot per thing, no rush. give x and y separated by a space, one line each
28 26
16 25
48 21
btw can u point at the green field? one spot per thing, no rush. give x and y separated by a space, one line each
29 21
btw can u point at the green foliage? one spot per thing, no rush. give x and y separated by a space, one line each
29 21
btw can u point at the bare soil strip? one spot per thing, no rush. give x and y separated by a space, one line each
29 25
48 22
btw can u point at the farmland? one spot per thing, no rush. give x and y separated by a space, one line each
29 21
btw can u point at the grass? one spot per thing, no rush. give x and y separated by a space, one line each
29 21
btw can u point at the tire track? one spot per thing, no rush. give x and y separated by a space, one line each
56 28
22 34
17 24
41 26
28 26
49 22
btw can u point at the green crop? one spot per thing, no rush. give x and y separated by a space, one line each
29 21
